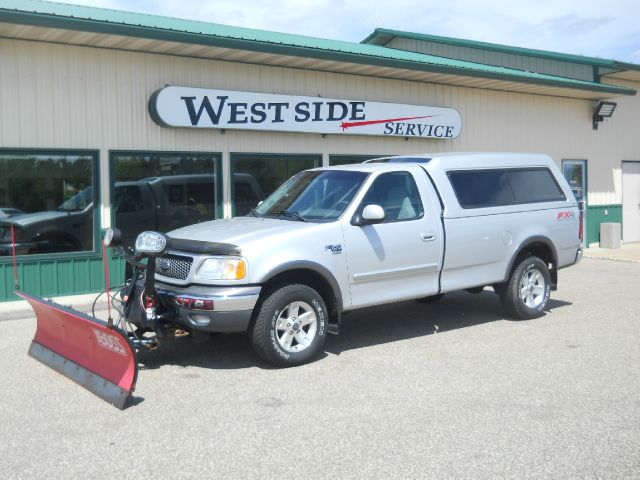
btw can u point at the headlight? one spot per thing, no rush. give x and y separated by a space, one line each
5 233
151 242
222 269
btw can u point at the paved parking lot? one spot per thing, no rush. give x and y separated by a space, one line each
451 390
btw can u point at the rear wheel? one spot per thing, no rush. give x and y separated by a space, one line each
290 327
526 293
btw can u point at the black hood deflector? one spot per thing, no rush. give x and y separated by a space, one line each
202 248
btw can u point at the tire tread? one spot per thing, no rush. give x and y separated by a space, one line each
260 336
510 295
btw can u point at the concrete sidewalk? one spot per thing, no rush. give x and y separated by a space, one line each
629 252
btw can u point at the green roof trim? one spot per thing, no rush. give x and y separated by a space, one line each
627 66
115 22
384 33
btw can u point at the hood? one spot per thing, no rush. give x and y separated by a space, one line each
240 231
26 219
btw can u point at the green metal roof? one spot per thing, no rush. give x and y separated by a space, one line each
384 35
100 20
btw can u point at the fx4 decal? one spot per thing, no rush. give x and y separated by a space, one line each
565 216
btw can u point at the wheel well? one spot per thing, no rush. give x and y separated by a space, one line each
543 251
314 280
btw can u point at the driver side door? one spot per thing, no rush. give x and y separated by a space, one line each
400 257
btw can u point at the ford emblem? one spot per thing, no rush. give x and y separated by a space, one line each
164 265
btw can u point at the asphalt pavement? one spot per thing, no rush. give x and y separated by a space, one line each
446 390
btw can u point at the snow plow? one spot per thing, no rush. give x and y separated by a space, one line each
89 351
101 355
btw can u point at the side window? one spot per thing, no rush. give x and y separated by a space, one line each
175 194
128 199
535 186
201 197
397 193
499 187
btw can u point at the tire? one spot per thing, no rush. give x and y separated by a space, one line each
430 298
526 294
273 333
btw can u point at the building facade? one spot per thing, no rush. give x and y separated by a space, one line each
90 137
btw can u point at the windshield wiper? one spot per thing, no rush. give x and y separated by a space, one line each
289 213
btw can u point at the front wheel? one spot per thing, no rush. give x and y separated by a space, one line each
526 293
290 327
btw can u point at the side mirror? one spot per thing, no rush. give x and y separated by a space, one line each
370 214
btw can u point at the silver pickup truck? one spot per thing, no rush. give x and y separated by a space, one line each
332 240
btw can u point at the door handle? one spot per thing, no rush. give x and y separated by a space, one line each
428 236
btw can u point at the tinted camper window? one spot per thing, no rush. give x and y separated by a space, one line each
499 187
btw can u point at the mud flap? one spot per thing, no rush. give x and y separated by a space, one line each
84 349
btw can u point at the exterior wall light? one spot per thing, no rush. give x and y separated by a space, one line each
603 110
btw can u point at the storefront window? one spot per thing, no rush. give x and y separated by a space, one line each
49 199
348 159
164 191
256 176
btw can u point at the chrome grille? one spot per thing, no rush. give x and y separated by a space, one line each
174 266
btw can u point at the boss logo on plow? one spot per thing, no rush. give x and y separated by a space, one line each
109 342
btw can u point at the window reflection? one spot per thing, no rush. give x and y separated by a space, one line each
49 200
164 191
257 176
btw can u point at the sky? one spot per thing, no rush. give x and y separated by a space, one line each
597 28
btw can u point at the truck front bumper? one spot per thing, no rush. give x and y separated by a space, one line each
232 306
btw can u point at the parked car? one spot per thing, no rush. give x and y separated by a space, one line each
332 240
155 203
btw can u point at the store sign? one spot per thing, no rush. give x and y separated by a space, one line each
226 109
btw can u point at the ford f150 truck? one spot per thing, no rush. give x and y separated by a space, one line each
331 240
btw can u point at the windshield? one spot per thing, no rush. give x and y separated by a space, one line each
319 195
79 201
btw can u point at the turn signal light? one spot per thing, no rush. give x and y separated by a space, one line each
192 303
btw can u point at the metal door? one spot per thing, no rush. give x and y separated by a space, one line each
575 171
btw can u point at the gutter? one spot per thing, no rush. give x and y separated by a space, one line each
140 31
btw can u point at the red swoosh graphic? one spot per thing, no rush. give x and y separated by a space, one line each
346 125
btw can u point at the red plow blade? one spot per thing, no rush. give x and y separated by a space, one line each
84 349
